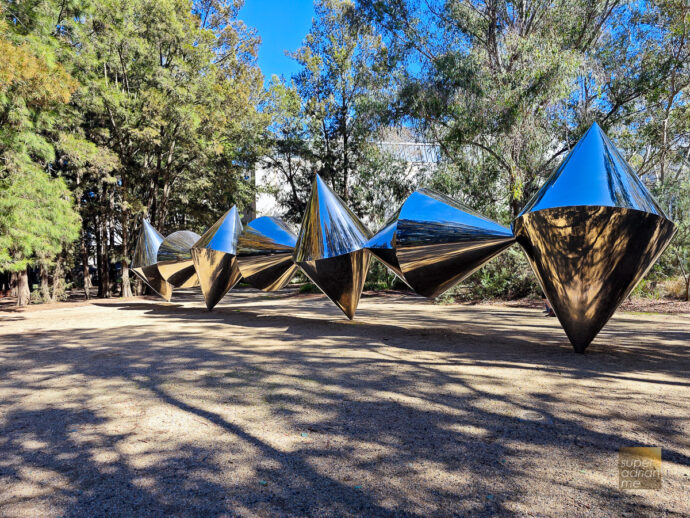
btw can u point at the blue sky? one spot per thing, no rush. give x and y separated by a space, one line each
282 25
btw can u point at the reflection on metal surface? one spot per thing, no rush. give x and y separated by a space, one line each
435 242
383 246
214 255
265 250
145 258
594 174
588 259
331 250
591 233
175 259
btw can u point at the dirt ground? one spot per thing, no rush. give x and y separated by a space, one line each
277 405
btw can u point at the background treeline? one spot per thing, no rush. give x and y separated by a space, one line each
115 109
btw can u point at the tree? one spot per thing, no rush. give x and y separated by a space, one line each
37 216
328 118
507 87
344 82
290 150
171 88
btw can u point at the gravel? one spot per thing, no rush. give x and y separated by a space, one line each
275 405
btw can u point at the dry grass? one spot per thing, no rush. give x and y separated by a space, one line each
276 406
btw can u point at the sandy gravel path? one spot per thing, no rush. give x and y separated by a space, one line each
275 405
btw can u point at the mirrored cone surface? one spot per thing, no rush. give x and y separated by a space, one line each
175 259
265 253
383 245
145 257
331 250
341 278
214 256
439 242
591 233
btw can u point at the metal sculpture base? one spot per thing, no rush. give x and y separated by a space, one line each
151 276
341 278
214 257
589 259
265 250
175 259
218 274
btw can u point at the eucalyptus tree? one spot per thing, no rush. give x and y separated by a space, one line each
345 84
492 81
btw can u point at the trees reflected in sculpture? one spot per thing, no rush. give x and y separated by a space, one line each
590 234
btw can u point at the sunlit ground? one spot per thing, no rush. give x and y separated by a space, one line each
275 405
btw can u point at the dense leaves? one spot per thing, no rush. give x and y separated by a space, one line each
140 107
111 110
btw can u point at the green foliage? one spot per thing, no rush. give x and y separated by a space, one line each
309 287
381 278
506 277
118 109
507 88
37 215
328 117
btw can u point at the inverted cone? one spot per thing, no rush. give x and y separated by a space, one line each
383 246
341 278
214 257
591 233
330 248
175 259
217 272
265 253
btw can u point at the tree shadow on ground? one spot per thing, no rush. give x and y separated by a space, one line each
421 419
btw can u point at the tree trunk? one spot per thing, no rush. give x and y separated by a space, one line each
162 208
85 265
23 290
13 284
111 238
124 222
99 255
58 279
346 156
45 284
102 257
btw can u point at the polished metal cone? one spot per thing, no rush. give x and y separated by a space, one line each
383 246
214 256
331 250
175 259
265 250
436 242
591 233
145 258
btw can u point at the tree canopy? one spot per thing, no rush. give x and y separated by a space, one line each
111 110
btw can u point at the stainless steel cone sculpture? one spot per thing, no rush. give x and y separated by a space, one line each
435 242
145 259
331 249
175 259
591 233
265 251
214 255
383 246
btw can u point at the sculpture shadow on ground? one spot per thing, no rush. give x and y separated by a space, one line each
378 401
